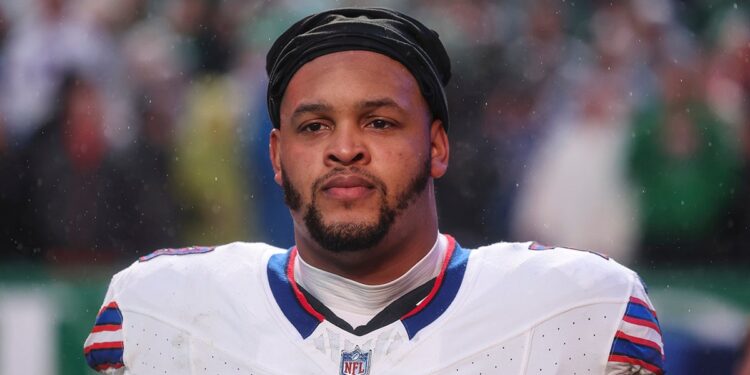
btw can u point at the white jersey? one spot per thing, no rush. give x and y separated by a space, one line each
507 308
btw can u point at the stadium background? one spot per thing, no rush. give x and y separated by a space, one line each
617 126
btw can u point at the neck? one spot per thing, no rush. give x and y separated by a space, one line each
357 303
410 238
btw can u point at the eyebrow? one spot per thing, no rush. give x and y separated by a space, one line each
369 104
311 108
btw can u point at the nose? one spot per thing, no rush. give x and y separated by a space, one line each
346 148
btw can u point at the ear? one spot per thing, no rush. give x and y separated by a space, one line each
274 151
439 149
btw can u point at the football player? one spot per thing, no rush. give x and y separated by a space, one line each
372 286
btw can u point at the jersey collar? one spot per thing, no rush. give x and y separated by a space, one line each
296 304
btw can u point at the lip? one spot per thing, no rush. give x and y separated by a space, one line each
347 187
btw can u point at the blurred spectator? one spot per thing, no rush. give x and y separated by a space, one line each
146 171
73 198
156 66
49 40
514 132
729 70
546 54
685 168
575 193
728 91
209 168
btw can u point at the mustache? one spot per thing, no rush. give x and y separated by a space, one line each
350 171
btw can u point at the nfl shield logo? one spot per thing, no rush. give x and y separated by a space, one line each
355 362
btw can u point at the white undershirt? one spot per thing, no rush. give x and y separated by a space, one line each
357 303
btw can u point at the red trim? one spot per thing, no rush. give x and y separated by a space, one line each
644 304
297 293
438 281
103 345
105 366
641 322
106 328
638 340
112 305
635 361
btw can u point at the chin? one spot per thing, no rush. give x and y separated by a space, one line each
347 230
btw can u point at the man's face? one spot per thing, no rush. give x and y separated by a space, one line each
356 148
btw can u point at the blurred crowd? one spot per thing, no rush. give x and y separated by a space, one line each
616 126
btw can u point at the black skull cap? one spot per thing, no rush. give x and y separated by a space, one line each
379 30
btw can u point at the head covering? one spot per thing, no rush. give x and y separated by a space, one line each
380 30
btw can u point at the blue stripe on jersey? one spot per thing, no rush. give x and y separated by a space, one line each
639 311
99 357
648 354
304 322
454 275
110 315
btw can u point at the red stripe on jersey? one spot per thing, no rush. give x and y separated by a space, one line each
105 366
638 340
635 361
642 322
438 280
106 328
644 304
298 293
103 345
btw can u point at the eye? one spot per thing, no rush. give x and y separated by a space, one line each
380 124
312 127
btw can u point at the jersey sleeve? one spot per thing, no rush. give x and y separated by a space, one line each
128 339
104 346
637 347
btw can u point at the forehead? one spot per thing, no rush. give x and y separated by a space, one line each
346 76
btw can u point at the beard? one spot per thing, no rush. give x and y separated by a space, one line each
354 236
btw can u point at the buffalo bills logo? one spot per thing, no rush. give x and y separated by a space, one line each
355 362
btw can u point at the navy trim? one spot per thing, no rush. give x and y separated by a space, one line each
644 353
303 321
391 313
100 357
110 315
454 275
638 311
